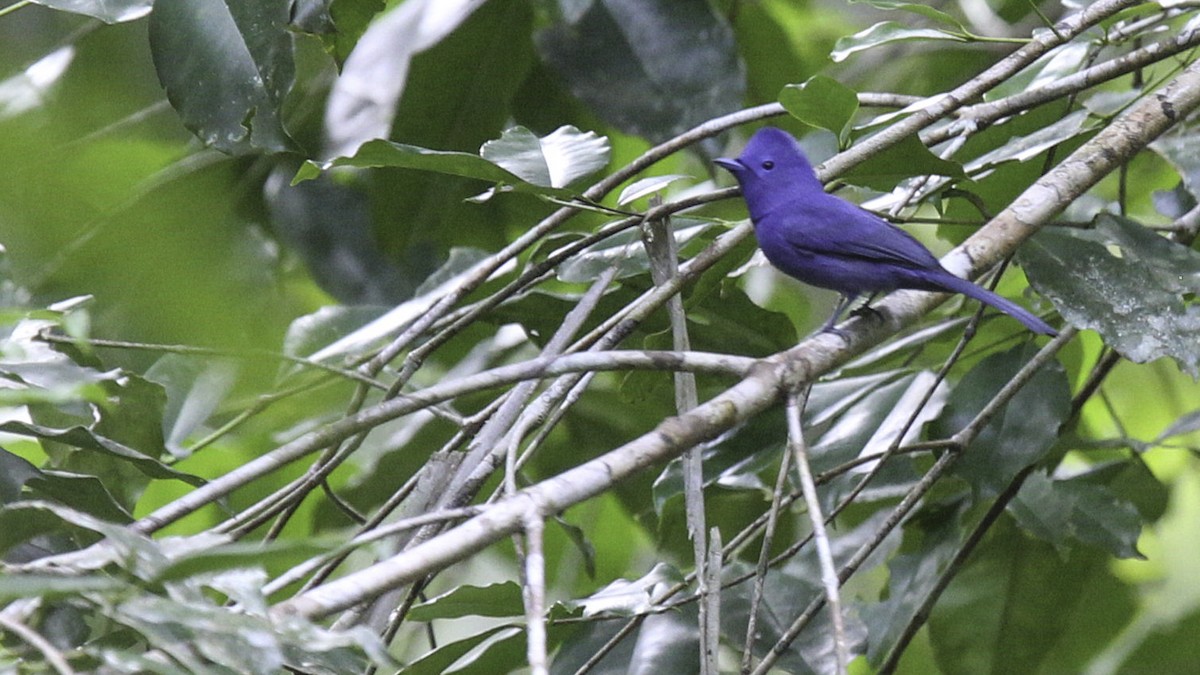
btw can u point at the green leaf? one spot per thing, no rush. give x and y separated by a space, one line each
381 153
886 32
54 380
86 439
108 11
923 10
1059 511
624 597
1183 152
15 472
22 521
661 643
190 559
650 69
788 590
496 600
625 250
822 102
912 575
226 67
204 637
350 19
1059 63
194 389
81 492
1127 283
1020 433
640 188
85 494
438 661
1020 606
905 159
1024 148
556 160
726 464
365 98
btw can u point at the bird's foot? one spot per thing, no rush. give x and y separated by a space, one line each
866 311
834 330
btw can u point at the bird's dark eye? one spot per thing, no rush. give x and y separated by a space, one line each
768 165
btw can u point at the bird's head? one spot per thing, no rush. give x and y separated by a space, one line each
772 170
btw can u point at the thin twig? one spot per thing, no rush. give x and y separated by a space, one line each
53 657
829 577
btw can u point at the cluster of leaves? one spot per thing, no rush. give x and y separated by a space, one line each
362 229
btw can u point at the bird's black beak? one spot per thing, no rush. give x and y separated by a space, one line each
733 166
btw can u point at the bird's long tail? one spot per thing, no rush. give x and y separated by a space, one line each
958 285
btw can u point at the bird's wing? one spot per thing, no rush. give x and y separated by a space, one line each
834 227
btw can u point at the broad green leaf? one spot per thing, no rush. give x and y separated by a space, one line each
556 160
1024 148
310 333
226 68
624 597
507 654
15 472
725 464
661 643
624 250
312 17
439 660
1020 605
875 420
1020 433
1059 63
108 11
497 600
650 69
329 223
350 19
886 32
86 439
915 8
52 379
194 389
645 186
1059 511
1183 152
193 560
203 636
364 100
908 158
912 575
381 153
822 102
81 492
1127 283
22 521
829 399
582 543
787 592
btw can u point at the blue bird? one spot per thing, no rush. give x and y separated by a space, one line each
828 242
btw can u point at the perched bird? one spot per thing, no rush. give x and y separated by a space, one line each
828 242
